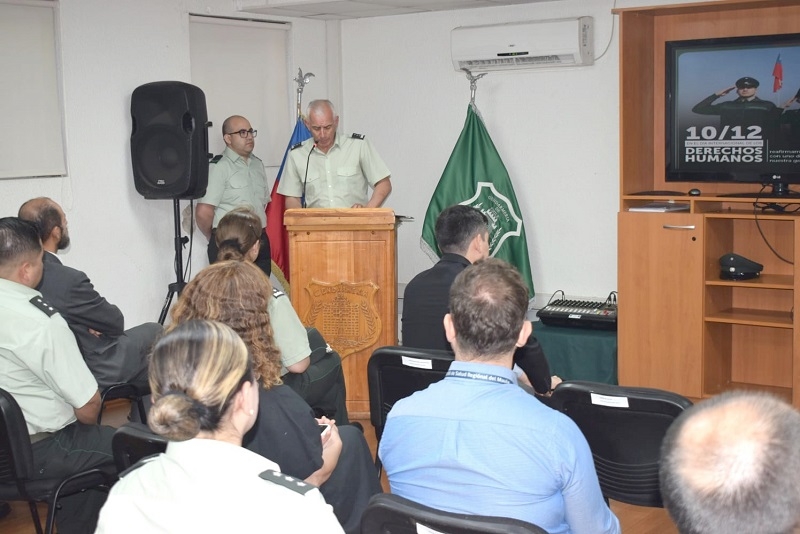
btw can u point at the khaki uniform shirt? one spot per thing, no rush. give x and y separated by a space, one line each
337 179
232 182
290 334
40 363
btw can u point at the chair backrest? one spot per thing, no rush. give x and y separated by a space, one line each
391 514
624 427
394 373
134 441
16 455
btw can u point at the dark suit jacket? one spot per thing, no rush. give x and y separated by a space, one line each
71 292
426 302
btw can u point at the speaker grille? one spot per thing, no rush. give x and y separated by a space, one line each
169 140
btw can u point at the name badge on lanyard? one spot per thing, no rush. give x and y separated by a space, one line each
472 375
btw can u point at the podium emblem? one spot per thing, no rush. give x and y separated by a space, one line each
345 314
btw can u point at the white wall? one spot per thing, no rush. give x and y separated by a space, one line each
557 132
555 129
122 241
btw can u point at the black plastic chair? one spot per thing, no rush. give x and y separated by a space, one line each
124 390
16 469
390 514
134 441
394 373
624 427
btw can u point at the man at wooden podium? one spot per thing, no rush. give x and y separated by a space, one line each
333 171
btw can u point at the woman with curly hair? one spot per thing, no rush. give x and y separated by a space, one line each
205 397
318 378
236 293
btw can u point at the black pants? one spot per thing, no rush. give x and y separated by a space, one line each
264 259
353 481
75 448
531 359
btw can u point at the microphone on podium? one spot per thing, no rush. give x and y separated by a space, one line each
305 178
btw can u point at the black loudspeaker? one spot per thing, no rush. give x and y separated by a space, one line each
169 140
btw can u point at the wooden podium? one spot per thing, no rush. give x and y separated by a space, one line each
343 275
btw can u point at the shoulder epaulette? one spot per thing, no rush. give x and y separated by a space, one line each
139 464
297 486
216 158
357 136
42 305
298 145
277 292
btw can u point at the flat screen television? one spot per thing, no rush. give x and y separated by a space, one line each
733 110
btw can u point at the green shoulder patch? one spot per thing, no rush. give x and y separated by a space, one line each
216 158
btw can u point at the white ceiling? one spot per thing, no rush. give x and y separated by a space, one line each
354 9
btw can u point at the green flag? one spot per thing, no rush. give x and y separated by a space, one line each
475 176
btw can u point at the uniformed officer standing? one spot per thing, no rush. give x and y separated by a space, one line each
332 171
42 368
235 178
746 111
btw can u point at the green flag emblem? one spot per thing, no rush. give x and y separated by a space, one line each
476 176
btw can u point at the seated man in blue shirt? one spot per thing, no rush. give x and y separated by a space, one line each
476 443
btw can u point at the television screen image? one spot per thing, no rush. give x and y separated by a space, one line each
733 109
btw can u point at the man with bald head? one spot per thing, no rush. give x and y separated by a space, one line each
112 353
333 171
732 464
235 178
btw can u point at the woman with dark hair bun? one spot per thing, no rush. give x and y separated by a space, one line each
205 397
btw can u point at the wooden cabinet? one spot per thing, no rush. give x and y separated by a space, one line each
660 320
681 327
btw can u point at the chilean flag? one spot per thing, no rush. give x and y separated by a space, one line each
777 74
278 237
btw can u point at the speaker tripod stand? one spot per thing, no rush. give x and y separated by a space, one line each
180 240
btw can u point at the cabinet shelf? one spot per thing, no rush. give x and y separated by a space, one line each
766 318
765 281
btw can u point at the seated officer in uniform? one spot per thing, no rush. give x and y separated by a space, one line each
42 368
205 397
318 379
112 353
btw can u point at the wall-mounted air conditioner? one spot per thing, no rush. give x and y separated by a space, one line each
523 45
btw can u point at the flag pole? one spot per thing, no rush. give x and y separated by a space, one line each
301 81
473 85
276 230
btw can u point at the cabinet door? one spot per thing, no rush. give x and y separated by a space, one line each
660 320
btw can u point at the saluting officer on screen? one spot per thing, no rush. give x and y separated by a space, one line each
745 111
